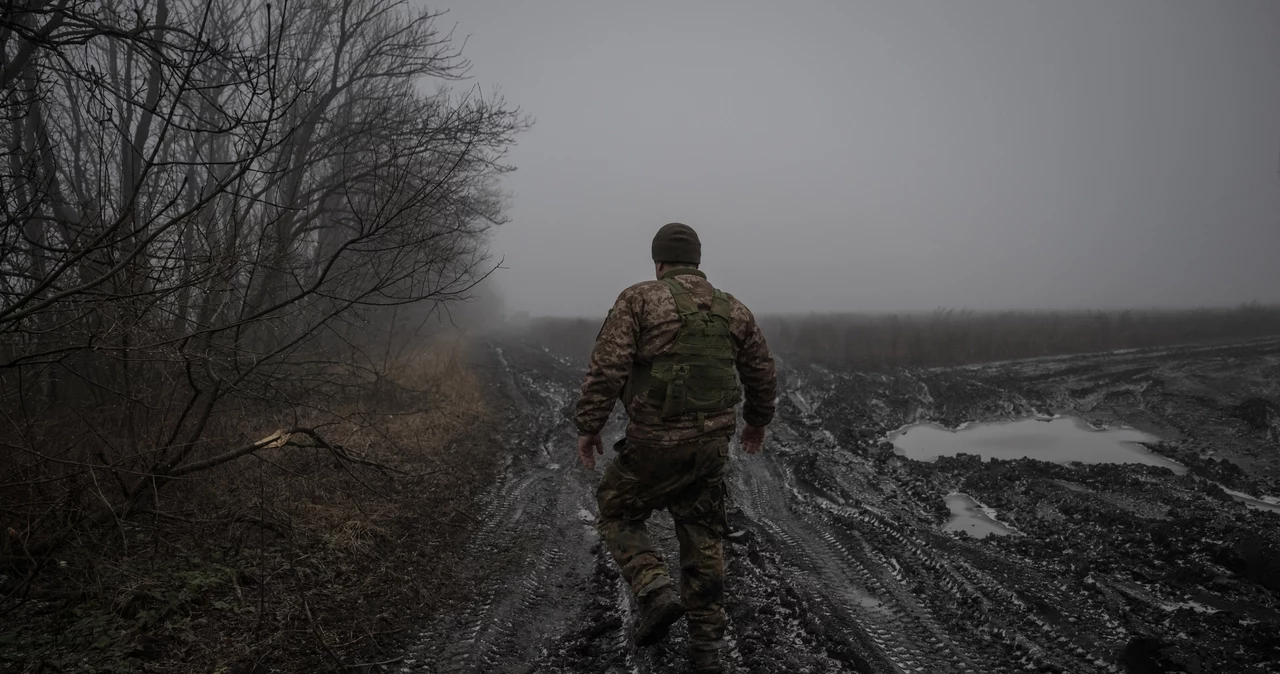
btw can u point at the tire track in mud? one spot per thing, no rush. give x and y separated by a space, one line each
862 588
880 571
526 549
893 562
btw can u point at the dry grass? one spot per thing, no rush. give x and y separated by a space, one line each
290 559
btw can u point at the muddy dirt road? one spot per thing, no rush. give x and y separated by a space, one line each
841 564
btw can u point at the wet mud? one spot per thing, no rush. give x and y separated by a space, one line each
841 561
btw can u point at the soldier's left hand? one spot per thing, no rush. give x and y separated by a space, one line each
752 438
585 444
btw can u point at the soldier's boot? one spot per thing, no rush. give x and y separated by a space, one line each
658 611
706 661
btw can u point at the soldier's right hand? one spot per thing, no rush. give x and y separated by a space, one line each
752 438
585 444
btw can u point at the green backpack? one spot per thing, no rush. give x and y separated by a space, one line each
697 374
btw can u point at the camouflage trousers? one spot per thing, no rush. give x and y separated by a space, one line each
689 482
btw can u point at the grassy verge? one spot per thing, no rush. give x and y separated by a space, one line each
287 562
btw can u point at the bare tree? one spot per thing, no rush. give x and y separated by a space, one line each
205 206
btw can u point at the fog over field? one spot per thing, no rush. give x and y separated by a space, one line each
270 402
892 156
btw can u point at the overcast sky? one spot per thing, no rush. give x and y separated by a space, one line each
892 155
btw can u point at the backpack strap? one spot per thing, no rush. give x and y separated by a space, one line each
720 306
684 303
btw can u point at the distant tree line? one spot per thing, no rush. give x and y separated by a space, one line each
951 337
212 210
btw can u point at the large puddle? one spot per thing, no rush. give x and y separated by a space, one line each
1061 440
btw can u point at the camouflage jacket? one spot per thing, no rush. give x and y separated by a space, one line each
643 324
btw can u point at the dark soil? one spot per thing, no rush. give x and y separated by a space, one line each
841 564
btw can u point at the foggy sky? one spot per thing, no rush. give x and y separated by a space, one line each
892 155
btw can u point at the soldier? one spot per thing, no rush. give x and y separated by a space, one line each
673 350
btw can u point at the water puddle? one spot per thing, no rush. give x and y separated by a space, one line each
867 601
1061 440
972 518
1256 504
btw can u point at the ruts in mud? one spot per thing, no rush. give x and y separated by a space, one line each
841 563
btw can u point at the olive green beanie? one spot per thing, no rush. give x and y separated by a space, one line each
676 243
